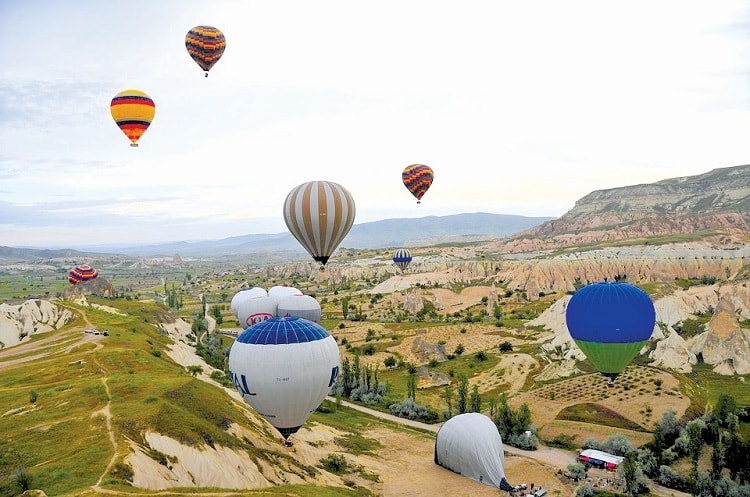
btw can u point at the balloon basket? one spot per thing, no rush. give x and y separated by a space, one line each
133 144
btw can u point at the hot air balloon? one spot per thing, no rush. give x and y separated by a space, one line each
279 292
133 112
300 306
417 179
402 258
82 273
319 214
610 322
284 368
243 295
255 310
470 445
205 44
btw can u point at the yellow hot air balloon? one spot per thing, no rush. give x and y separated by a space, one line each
319 214
133 111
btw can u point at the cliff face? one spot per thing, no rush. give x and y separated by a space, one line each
717 201
20 322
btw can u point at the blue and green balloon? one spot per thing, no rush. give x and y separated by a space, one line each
610 322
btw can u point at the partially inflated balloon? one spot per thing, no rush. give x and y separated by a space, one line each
243 295
284 368
402 258
81 273
279 292
417 179
133 112
205 44
610 322
319 214
300 306
255 310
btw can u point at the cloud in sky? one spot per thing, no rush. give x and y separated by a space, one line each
519 107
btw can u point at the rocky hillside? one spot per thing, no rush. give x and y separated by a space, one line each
716 204
20 322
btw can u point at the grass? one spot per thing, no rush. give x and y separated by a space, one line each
65 448
597 414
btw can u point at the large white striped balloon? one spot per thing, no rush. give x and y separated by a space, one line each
319 214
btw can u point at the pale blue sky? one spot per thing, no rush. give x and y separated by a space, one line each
519 107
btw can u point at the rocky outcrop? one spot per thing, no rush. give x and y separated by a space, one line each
724 345
100 287
20 322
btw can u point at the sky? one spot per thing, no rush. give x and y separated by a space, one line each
519 107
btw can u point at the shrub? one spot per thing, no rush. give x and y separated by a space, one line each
523 441
672 479
389 361
506 347
576 471
481 355
334 463
409 409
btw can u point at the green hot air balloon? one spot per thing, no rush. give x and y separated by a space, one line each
610 322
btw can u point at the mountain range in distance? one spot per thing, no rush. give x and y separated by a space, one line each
402 232
713 204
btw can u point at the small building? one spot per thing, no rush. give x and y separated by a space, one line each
600 459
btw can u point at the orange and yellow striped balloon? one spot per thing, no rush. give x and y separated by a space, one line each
319 214
133 112
205 44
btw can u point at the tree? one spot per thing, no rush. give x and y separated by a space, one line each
411 387
717 459
475 399
345 306
694 436
459 349
463 394
628 468
725 405
448 396
506 347
195 370
576 471
389 361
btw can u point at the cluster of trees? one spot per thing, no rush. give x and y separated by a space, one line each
729 474
359 384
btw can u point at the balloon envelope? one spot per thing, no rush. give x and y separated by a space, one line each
470 445
610 322
280 292
417 179
245 294
206 45
133 112
301 306
319 214
82 273
256 309
284 368
402 258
